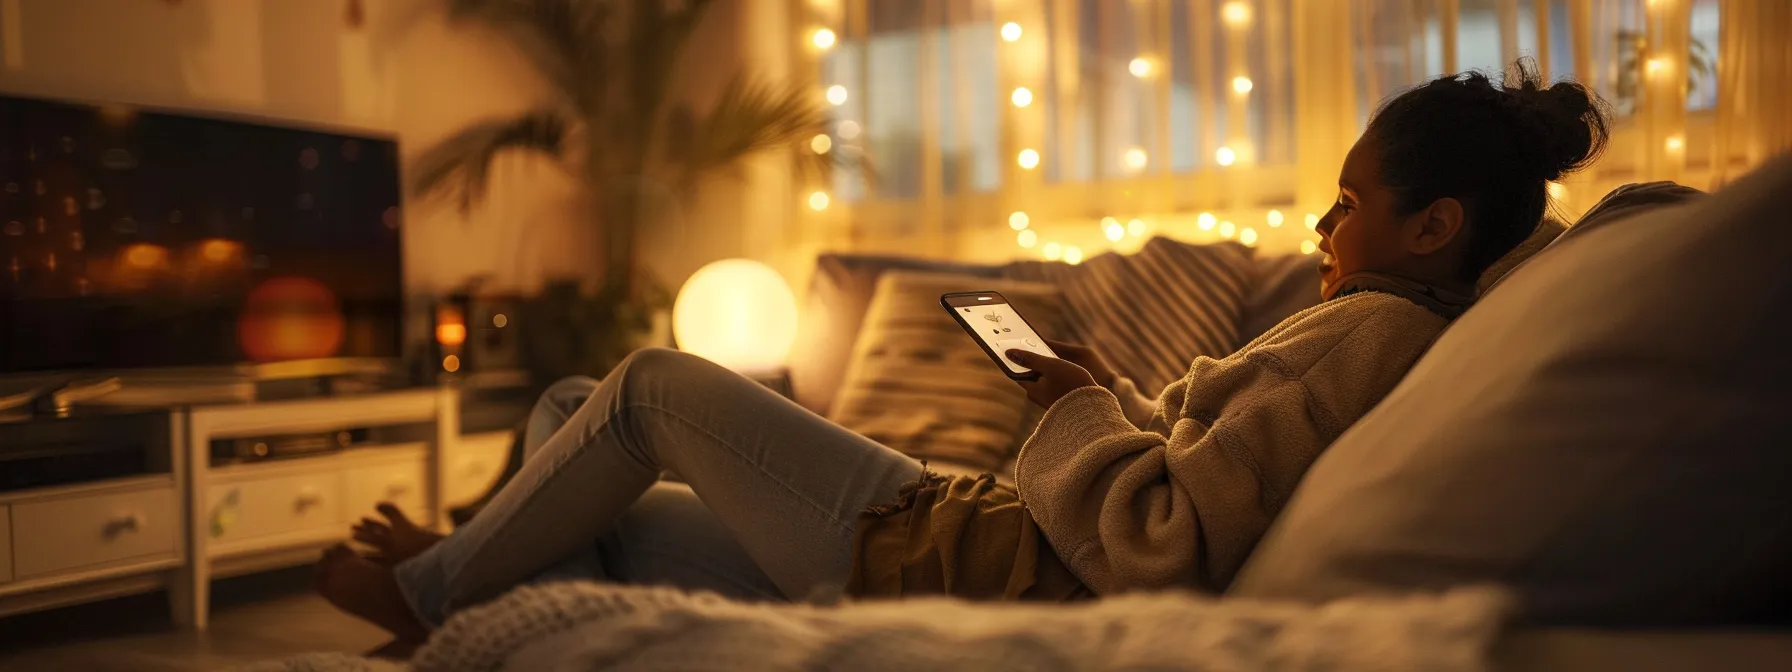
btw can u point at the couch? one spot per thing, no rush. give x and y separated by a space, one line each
1603 437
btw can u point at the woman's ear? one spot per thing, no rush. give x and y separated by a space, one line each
1437 225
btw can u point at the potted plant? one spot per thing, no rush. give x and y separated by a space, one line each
611 66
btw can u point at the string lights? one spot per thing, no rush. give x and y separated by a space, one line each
1139 67
837 95
1028 159
1206 221
1010 32
1022 97
1274 218
823 39
1248 236
821 143
1312 222
1027 238
1136 227
1225 156
1136 158
818 201
1308 247
1241 84
1018 220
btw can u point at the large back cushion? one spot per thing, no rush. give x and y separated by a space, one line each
1609 432
921 385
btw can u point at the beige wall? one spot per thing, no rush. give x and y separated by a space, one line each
404 73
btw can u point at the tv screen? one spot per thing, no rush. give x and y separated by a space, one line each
131 238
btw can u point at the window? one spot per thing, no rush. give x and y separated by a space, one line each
1403 42
913 62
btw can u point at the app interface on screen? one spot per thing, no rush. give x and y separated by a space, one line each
1003 330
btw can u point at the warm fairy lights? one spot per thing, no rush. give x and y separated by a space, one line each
1308 247
1206 221
821 143
1018 220
1274 218
1073 255
1027 238
1052 251
1010 31
1241 84
1136 227
1225 156
1248 236
848 130
837 94
1227 229
818 201
1022 97
1139 67
1312 222
823 39
1236 13
1028 159
1113 230
1136 158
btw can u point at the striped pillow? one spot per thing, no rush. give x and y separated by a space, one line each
919 384
1151 313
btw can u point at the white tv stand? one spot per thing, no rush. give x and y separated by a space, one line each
181 529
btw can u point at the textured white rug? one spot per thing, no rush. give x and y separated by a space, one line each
589 626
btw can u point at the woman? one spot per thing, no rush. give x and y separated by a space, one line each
1113 491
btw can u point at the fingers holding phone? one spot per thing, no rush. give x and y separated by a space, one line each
1085 357
1056 377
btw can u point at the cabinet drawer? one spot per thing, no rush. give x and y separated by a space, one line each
55 535
249 508
5 545
402 483
474 464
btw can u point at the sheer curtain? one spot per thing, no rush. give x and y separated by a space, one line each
1754 101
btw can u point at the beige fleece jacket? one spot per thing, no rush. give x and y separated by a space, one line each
1135 494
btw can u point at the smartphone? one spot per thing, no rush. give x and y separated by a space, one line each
997 327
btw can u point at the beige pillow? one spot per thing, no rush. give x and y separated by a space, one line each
918 383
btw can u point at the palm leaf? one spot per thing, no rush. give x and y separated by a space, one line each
751 117
459 166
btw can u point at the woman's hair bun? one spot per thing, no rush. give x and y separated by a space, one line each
1565 121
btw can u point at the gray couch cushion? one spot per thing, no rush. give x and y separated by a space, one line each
1609 431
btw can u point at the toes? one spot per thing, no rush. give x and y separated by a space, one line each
393 514
372 538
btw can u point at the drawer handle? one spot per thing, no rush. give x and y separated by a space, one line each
130 522
307 500
397 489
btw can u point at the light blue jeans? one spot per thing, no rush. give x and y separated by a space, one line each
766 510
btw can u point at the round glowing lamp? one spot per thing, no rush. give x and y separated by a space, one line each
738 313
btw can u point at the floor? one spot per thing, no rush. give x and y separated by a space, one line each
254 618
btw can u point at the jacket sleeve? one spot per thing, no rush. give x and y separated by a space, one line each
1129 509
1142 410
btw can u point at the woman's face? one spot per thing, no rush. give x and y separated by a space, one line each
1361 231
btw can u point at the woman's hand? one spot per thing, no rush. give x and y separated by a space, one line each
1057 377
1087 358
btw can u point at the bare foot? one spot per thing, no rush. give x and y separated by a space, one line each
396 540
368 591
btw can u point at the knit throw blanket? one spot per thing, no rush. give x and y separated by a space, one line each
590 626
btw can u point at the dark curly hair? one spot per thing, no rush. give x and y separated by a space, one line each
1493 147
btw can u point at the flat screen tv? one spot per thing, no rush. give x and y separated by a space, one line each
133 238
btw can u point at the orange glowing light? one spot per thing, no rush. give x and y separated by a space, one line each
146 256
451 363
451 334
290 318
218 250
